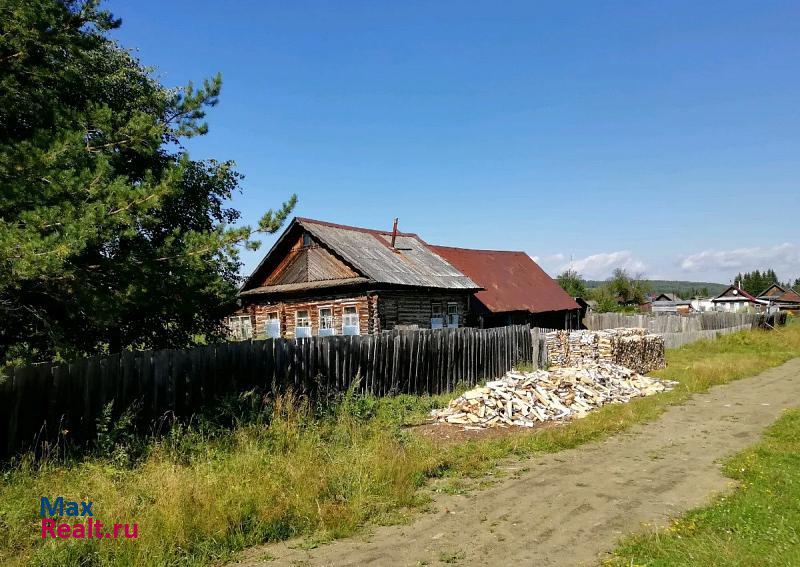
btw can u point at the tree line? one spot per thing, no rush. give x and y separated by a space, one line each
757 281
621 292
624 292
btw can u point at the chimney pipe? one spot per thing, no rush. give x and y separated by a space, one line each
394 234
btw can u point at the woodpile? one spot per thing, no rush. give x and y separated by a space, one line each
557 348
632 348
527 398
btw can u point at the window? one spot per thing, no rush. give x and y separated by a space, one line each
240 328
272 328
350 325
325 322
452 315
437 316
302 325
307 239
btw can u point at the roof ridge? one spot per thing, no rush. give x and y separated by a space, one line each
355 228
736 287
770 286
481 249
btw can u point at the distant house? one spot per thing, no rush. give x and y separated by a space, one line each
671 303
322 279
702 304
515 290
586 307
734 298
772 293
779 298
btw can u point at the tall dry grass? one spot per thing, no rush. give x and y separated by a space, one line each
197 500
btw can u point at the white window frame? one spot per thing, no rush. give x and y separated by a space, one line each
347 329
306 329
326 328
272 316
240 327
437 315
453 315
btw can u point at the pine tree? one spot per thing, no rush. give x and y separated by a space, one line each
756 282
112 236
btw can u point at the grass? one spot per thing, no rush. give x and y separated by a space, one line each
758 525
452 557
205 492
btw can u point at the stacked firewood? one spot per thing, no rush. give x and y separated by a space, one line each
557 348
527 398
633 348
583 347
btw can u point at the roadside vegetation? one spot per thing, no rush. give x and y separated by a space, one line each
624 293
759 524
620 293
256 470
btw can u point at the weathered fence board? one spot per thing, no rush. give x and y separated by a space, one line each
672 323
38 402
676 340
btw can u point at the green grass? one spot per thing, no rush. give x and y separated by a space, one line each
284 469
758 525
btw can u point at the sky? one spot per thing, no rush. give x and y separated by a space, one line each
661 137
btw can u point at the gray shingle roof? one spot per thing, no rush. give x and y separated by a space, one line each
411 263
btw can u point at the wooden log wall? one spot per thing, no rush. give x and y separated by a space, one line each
41 402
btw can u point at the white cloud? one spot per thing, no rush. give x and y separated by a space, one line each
783 258
596 266
600 266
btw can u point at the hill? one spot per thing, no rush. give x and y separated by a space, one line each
674 286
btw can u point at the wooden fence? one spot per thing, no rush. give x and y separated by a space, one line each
672 323
40 402
676 340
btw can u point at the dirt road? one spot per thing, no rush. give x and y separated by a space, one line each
570 508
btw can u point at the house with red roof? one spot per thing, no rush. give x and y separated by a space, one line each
733 299
322 278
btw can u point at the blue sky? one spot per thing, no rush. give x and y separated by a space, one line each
661 137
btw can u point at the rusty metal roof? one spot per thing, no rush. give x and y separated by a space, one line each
791 296
512 281
411 262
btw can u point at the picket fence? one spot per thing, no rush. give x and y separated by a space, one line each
39 403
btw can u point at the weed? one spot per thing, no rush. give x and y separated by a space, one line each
452 557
